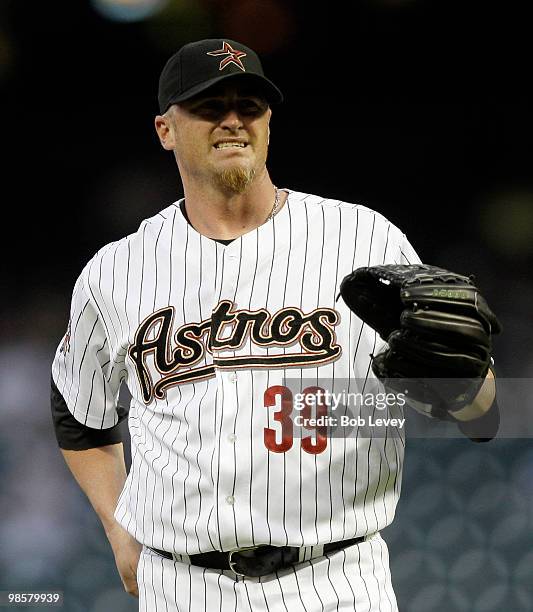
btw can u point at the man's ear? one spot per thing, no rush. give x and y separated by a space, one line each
165 131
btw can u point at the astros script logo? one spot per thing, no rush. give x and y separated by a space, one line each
233 56
178 356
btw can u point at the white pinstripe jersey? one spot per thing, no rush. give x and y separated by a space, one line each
200 331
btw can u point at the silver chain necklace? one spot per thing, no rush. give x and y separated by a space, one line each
276 204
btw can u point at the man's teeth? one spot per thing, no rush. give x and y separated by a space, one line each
227 145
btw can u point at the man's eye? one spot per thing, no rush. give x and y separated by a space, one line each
209 109
250 108
214 109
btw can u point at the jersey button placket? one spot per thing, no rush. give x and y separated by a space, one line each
227 460
231 270
227 380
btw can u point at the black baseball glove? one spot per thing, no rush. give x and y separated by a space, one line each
437 325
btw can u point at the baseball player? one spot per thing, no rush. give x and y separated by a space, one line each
206 312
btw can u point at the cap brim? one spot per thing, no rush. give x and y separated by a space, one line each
272 94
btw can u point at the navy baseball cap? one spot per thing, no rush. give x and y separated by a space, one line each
202 64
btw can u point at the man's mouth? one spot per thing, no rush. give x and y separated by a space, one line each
230 145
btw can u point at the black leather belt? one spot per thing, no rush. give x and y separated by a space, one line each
256 560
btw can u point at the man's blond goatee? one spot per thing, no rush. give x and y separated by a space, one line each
235 180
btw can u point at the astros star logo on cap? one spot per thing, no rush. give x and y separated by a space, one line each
233 56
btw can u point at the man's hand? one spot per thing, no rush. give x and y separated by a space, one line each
438 328
127 552
101 473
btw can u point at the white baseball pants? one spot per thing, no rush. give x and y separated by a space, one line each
356 578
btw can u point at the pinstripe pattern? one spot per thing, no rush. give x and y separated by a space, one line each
202 477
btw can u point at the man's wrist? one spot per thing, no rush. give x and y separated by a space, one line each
481 403
112 527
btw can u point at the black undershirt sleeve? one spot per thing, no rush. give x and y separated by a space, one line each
73 435
485 428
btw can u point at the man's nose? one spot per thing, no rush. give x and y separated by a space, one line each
231 120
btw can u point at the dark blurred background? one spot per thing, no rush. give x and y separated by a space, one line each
421 110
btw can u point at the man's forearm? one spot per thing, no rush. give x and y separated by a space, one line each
101 473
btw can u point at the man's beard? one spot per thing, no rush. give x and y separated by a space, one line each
235 180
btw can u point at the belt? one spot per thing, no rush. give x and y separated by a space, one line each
255 561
